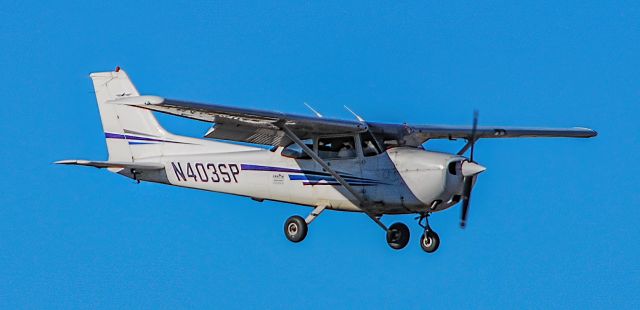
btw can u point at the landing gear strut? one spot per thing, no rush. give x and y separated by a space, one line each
430 241
295 228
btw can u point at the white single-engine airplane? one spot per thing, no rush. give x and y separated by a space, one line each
324 163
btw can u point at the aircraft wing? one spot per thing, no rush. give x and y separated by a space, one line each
247 125
418 134
263 127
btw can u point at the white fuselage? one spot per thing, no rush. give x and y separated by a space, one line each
399 180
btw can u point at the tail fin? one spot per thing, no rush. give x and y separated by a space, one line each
131 133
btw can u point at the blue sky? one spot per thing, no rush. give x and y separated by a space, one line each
553 222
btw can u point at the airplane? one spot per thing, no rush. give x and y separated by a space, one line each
327 164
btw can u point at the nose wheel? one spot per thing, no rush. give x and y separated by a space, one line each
430 241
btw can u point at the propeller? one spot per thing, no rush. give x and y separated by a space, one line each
469 170
474 129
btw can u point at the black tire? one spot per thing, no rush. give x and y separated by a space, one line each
398 236
430 241
295 228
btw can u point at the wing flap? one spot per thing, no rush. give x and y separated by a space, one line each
248 125
235 130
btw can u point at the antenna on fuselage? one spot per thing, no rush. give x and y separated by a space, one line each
360 119
313 110
379 147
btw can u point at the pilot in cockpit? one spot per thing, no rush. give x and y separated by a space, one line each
347 150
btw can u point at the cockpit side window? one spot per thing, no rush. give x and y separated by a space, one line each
295 151
337 148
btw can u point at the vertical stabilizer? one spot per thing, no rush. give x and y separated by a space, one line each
131 133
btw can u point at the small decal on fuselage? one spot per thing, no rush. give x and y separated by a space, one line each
206 172
278 178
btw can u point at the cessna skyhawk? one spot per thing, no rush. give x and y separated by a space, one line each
323 163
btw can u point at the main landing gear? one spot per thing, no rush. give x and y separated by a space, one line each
296 228
398 236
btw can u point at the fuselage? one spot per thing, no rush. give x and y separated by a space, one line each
396 181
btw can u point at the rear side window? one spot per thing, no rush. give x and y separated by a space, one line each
295 151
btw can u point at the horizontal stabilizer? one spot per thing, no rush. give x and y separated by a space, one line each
111 164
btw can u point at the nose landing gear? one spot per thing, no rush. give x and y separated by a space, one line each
430 241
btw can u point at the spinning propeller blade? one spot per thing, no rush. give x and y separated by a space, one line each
468 179
473 132
468 183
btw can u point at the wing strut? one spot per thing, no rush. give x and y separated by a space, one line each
470 141
363 203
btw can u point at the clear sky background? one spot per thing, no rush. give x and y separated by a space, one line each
553 222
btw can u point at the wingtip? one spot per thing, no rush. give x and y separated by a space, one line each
71 162
592 133
64 162
589 133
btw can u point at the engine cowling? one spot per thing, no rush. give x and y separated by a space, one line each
434 178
